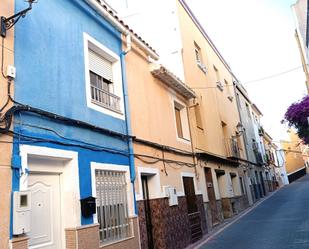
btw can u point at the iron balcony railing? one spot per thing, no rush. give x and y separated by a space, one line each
105 99
232 148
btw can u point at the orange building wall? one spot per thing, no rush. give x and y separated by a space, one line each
7 9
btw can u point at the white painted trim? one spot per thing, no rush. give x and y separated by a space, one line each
113 167
188 174
117 74
69 179
155 173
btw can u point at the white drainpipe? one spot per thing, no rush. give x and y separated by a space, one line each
103 12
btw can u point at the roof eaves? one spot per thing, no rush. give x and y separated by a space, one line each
172 81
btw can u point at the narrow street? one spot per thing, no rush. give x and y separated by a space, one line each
280 222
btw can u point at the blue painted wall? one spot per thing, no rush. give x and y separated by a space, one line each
49 57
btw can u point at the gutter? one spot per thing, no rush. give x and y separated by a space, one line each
121 28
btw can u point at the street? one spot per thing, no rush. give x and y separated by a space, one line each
280 222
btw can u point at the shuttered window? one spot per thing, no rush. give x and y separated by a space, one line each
101 82
178 122
100 66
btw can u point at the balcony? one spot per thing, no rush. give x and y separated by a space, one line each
105 99
232 148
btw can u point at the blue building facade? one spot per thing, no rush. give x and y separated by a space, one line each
70 122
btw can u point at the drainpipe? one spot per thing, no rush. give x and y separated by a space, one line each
127 115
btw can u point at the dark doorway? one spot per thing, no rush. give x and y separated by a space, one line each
194 215
262 183
147 212
211 196
190 194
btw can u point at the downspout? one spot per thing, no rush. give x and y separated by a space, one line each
127 115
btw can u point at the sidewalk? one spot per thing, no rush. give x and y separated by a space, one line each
227 222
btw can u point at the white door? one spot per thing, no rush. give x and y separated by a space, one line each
45 211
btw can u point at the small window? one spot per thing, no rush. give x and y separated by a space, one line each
198 54
228 90
198 116
178 122
181 119
248 111
218 79
112 205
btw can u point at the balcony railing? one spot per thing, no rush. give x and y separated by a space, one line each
105 99
258 157
232 148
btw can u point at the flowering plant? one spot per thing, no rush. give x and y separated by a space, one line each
297 116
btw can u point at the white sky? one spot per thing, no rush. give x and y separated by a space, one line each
256 37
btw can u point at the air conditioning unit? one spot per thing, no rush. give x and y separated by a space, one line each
171 193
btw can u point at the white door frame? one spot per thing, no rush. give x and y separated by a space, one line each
66 164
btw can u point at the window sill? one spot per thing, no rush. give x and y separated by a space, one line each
230 98
202 67
116 242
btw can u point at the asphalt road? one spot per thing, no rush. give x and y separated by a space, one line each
280 222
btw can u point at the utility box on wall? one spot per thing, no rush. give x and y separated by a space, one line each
88 206
21 212
171 193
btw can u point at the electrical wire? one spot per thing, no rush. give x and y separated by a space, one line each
253 81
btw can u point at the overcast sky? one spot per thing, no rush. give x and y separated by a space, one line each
256 37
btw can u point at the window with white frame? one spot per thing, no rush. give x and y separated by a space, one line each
181 119
112 205
103 78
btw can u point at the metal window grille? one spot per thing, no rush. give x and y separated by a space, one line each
112 206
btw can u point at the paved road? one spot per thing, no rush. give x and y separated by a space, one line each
280 222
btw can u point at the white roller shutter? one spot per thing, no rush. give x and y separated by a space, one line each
100 65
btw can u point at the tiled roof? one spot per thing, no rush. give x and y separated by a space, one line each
113 14
172 81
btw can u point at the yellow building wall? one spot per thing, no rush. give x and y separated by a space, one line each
6 9
215 105
293 154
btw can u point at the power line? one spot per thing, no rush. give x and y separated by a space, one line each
255 80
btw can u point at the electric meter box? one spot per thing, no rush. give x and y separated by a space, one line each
171 193
21 212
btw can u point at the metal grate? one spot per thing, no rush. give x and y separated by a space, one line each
112 206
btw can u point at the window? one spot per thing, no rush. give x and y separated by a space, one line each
248 111
112 205
228 91
181 120
198 57
103 78
198 116
101 82
218 82
178 122
198 54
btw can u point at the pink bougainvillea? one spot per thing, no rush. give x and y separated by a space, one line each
297 116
